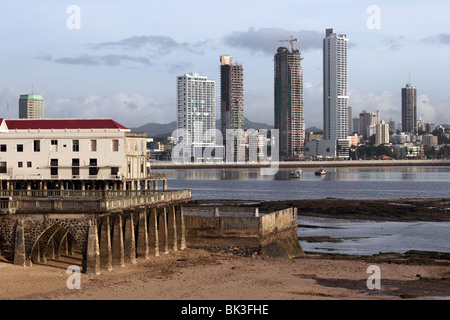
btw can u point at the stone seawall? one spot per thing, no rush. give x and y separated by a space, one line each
243 232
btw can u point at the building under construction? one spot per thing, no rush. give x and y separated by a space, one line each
289 118
231 95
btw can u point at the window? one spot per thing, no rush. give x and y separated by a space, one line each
114 171
93 145
75 167
54 167
37 145
2 167
20 148
2 147
29 164
75 145
20 164
115 145
54 145
93 169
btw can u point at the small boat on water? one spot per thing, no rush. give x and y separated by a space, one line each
320 172
296 174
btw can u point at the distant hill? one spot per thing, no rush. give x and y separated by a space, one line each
314 130
159 130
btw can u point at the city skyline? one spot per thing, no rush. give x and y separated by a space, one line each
121 61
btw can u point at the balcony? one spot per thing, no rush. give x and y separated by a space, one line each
80 201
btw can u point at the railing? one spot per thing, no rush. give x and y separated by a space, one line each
85 201
92 194
157 175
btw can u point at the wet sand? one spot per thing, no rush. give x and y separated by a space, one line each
201 275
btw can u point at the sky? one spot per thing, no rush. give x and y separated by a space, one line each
120 59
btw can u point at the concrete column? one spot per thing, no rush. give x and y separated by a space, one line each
105 245
19 246
164 184
118 252
153 232
172 228
181 229
93 252
143 250
162 231
130 242
155 184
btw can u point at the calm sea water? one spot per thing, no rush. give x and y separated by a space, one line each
345 183
358 237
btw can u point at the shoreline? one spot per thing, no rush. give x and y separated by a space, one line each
399 210
159 165
195 274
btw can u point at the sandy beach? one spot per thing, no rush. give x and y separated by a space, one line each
201 275
194 274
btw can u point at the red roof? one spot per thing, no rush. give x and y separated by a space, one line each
25 124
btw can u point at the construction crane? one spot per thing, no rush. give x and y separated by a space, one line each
291 41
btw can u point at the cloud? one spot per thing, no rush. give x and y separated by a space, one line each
160 45
131 110
394 43
443 38
92 60
266 40
386 102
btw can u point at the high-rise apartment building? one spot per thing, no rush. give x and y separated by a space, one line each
31 106
196 110
335 89
231 95
382 133
409 108
366 121
289 118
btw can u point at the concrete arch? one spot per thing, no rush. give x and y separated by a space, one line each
45 239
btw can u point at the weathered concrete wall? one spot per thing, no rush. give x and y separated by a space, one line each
220 211
279 234
272 235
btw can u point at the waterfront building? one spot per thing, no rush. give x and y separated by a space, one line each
31 106
429 141
288 102
231 95
382 133
83 154
196 113
409 109
336 114
367 122
232 105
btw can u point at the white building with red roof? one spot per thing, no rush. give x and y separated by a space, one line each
81 154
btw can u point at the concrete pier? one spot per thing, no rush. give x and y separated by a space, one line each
110 232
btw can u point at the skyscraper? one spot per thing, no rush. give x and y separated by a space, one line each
336 121
31 106
335 90
409 109
196 109
289 102
231 95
